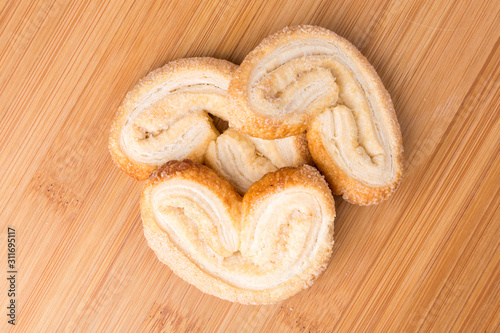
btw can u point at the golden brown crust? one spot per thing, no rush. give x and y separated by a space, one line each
302 147
146 85
275 182
351 189
188 267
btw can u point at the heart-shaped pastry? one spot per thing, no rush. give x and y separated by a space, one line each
166 115
260 249
308 77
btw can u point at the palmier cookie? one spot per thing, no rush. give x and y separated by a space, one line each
260 249
165 116
308 77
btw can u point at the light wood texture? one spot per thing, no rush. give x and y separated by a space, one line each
428 259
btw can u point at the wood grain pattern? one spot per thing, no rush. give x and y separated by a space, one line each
428 259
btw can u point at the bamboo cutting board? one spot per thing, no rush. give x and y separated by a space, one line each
428 259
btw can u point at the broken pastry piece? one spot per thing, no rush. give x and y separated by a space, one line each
243 160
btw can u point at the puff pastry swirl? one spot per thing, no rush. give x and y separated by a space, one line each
165 116
260 249
243 159
308 77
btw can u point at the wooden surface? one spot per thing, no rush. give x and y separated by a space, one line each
428 259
